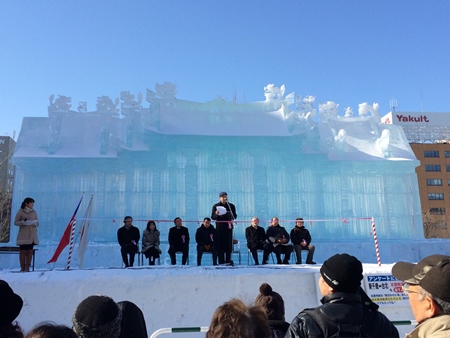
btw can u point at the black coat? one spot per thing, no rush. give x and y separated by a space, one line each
133 321
345 309
278 232
255 236
126 236
176 236
206 235
299 234
229 216
278 328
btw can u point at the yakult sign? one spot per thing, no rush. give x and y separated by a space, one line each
409 118
417 119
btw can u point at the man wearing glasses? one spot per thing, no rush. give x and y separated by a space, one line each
427 285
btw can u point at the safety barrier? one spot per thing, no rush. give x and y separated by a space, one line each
404 322
179 330
205 328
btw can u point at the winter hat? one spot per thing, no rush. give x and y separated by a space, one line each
223 193
414 273
10 304
97 316
432 273
342 272
437 281
271 302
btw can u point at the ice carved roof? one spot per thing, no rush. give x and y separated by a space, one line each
105 133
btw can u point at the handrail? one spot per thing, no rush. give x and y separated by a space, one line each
404 322
205 328
179 330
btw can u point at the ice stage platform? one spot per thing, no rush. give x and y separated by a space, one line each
107 255
185 296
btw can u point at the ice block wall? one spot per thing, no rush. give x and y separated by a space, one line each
173 158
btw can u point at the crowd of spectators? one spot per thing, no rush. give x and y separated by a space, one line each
345 310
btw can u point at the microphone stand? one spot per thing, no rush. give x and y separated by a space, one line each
232 231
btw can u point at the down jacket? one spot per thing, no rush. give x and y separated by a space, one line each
342 309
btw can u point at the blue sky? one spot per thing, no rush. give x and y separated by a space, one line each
343 51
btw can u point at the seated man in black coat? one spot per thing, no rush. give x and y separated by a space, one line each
206 241
128 237
178 241
278 242
256 239
301 239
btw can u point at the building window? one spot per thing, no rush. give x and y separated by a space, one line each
448 167
434 181
437 211
435 196
431 153
432 167
447 154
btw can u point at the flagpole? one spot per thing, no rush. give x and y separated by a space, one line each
65 239
84 234
72 236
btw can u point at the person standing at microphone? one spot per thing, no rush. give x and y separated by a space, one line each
224 213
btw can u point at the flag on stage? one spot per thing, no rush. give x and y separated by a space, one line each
65 239
84 237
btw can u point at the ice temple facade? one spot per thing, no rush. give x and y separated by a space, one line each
170 158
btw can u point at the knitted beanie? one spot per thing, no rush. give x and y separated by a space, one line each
342 272
271 301
10 304
97 316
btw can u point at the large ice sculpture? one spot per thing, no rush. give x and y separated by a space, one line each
172 158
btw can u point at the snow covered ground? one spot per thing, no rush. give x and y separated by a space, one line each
177 296
185 296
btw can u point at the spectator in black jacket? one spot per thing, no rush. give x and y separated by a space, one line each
10 307
273 305
100 316
206 241
178 241
343 312
133 321
128 237
97 316
301 239
256 239
278 242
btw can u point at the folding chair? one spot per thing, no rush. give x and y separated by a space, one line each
237 249
250 257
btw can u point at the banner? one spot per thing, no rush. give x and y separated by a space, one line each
65 239
84 235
